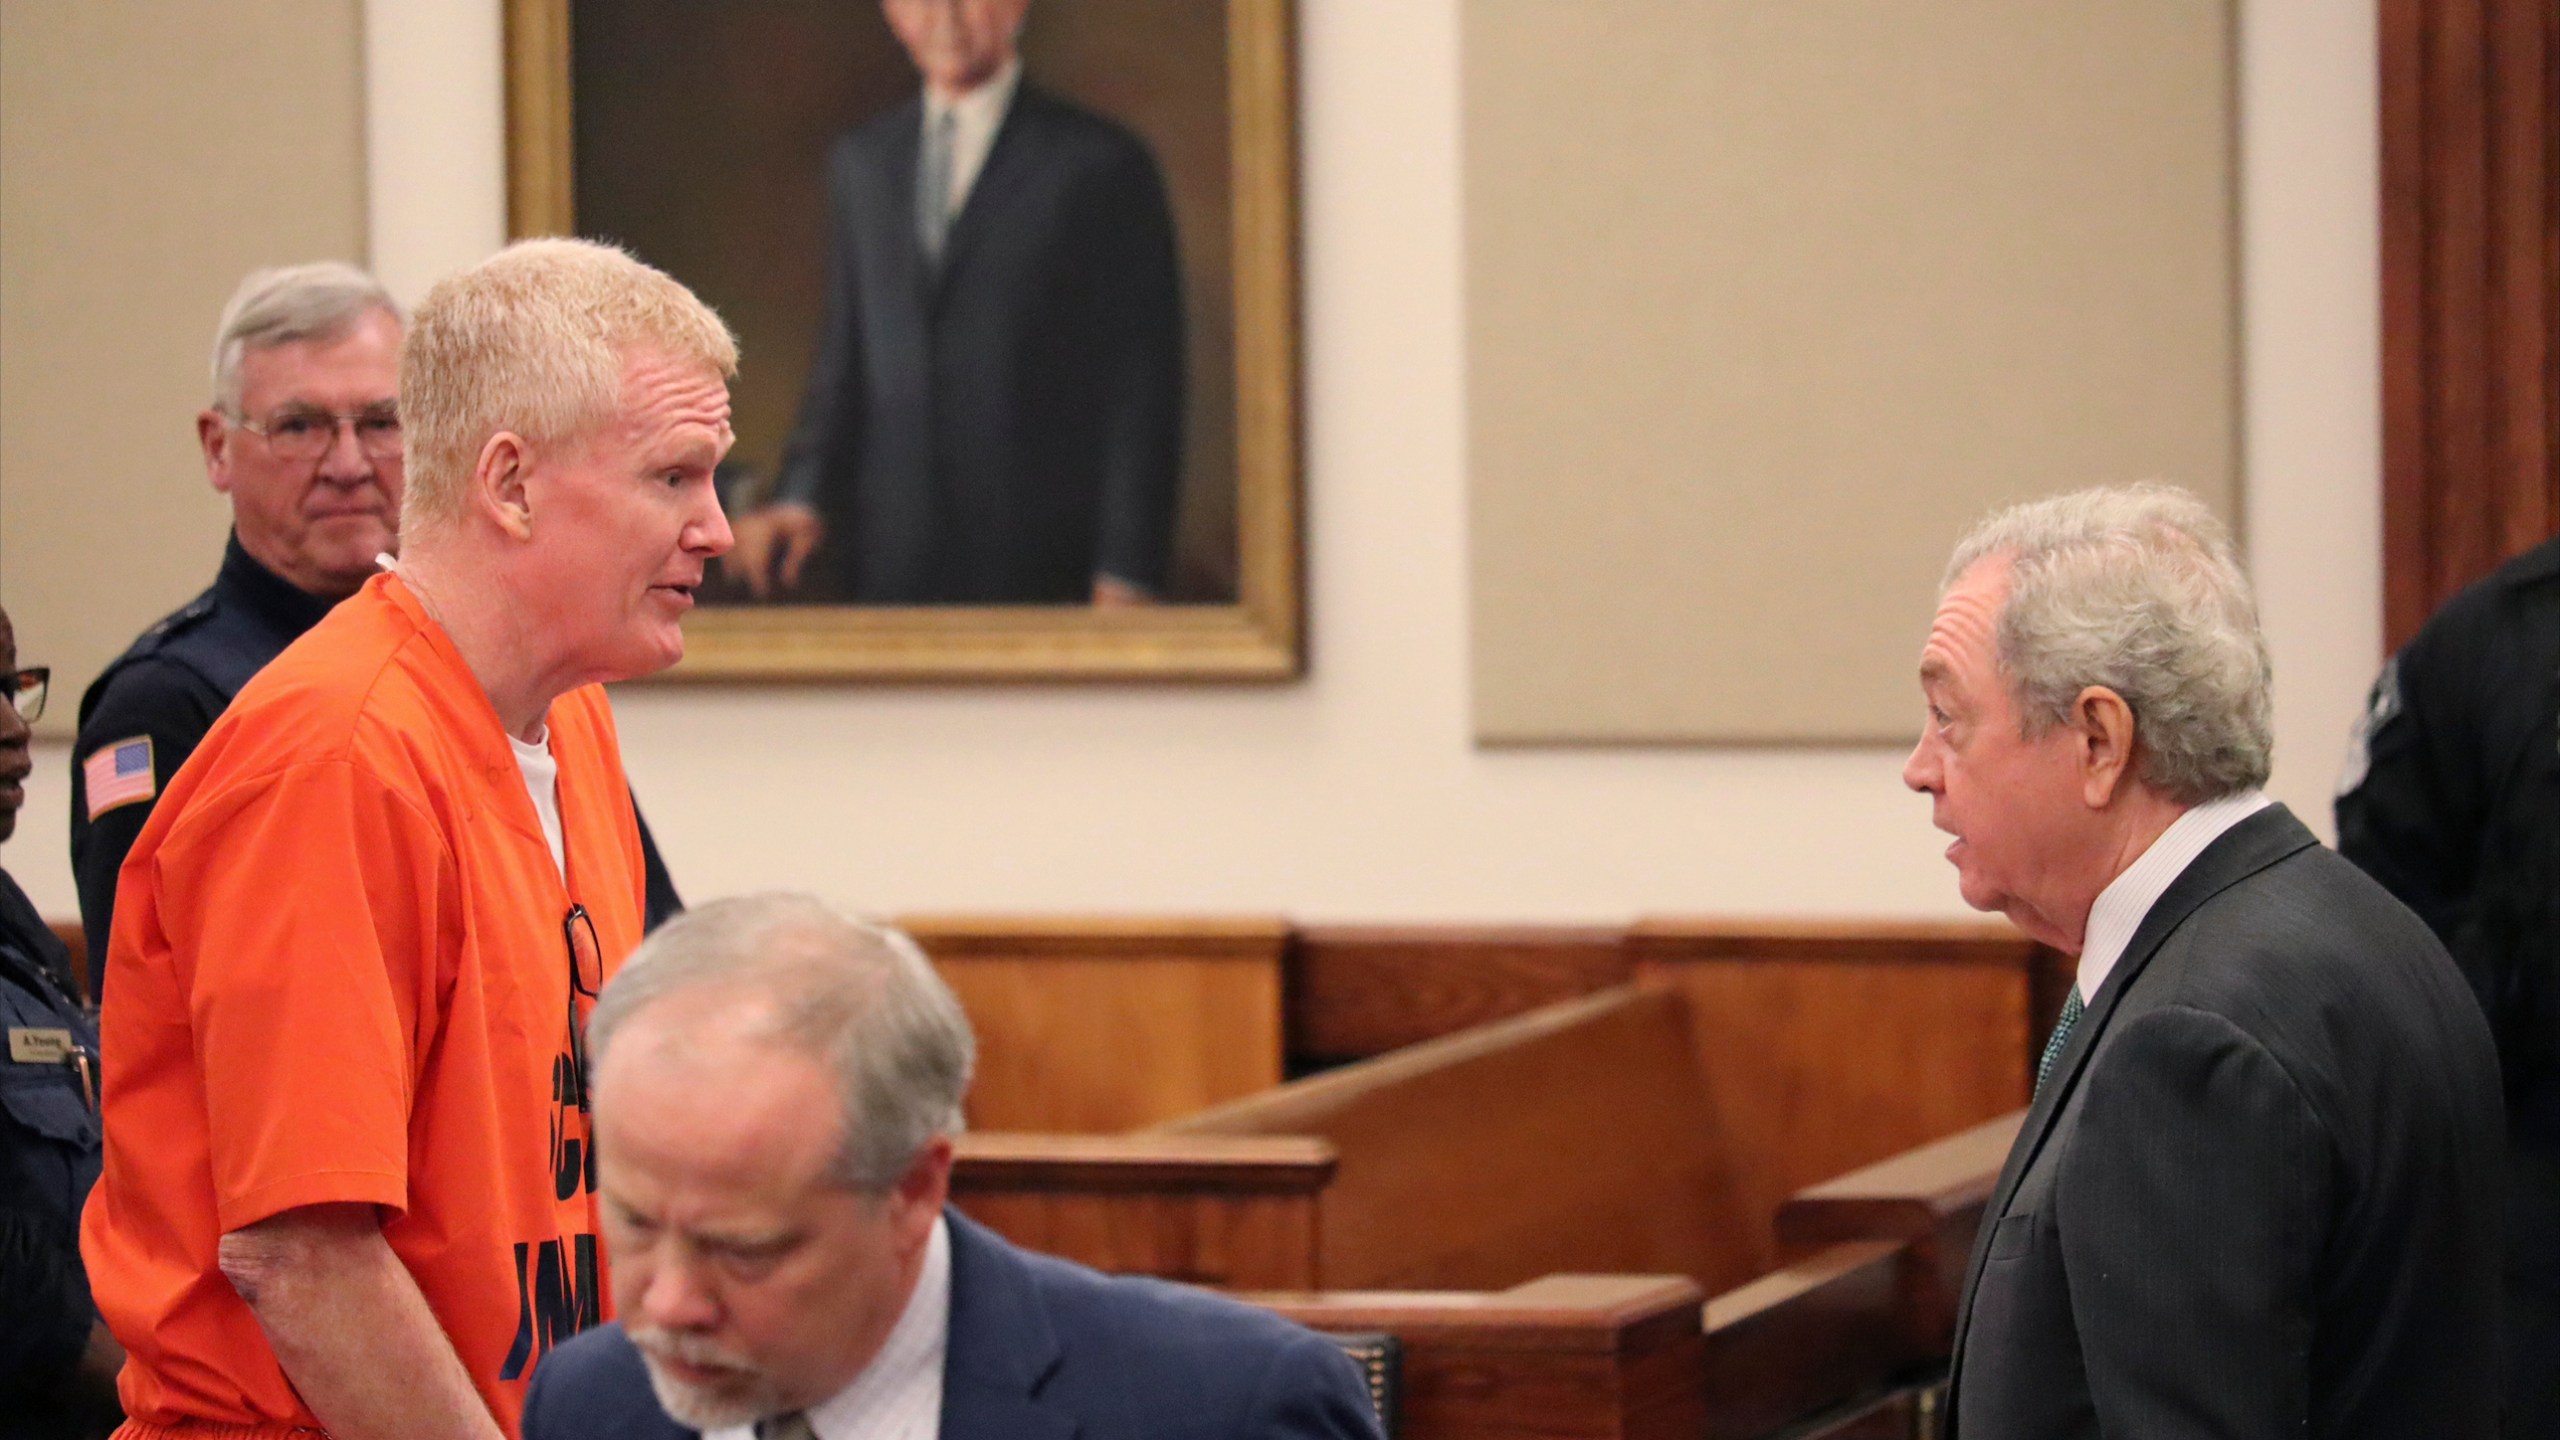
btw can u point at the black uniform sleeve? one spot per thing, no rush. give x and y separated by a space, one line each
2412 818
171 707
659 901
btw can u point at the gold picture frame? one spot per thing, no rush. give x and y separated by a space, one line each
1254 634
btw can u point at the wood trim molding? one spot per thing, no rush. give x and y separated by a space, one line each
1230 1164
1019 937
1604 1314
2470 113
1908 1197
1672 939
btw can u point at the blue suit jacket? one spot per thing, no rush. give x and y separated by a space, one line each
1040 1350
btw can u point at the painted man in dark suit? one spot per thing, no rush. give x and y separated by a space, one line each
775 1091
2258 1191
994 412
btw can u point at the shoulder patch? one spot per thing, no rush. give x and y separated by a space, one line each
120 773
2379 708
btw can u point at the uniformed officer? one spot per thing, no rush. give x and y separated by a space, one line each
57 1363
2451 798
304 437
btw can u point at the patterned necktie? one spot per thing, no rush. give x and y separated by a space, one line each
933 184
2061 1037
794 1426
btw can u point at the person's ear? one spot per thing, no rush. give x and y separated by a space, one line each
213 436
498 484
2102 732
916 1201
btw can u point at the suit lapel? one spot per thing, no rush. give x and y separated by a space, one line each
1011 161
899 170
2234 856
1002 1348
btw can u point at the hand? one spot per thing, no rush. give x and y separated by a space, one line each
787 527
1110 592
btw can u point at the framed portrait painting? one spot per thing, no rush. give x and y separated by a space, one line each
1015 287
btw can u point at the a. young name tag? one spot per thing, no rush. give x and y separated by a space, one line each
30 1045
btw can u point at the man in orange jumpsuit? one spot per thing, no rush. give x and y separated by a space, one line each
347 1182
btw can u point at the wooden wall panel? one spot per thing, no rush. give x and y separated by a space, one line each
2470 94
1362 990
1825 1048
1097 1026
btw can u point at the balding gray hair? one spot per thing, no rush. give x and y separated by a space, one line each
2135 588
320 301
858 997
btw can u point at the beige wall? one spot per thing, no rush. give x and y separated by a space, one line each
150 155
1359 792
1760 296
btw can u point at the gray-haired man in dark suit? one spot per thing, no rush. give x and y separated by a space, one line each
776 1088
2258 1191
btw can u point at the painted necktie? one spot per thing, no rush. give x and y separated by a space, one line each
933 184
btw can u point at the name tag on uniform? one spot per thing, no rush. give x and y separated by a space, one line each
29 1045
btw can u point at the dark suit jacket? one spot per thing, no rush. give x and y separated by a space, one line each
1003 426
1039 1350
2259 1195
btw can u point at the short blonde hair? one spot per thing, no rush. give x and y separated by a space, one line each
533 340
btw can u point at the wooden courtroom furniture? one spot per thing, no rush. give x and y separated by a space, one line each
1572 1138
1234 1212
1829 1046
1576 1137
1655 1128
1930 1200
1101 1025
1557 1358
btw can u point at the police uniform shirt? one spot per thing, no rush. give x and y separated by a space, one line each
146 713
49 1153
2451 799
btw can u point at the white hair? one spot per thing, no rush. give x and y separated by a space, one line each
857 996
320 301
2135 588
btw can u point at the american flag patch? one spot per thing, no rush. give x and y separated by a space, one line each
120 774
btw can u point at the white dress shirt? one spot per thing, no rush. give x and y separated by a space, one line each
2119 908
975 119
898 1396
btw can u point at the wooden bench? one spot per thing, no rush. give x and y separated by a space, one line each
1574 1138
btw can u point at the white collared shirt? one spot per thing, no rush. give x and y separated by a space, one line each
975 119
2120 907
898 1396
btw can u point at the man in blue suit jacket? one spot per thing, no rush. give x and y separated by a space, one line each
775 1090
